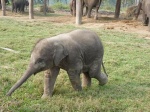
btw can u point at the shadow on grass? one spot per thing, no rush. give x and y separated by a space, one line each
120 91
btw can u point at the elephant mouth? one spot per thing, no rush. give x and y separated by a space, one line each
40 70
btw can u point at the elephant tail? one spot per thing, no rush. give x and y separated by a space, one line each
104 69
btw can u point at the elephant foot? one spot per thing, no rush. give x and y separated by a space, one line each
149 26
88 16
144 24
77 88
95 17
103 80
46 96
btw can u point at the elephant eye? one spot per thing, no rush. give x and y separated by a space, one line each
40 60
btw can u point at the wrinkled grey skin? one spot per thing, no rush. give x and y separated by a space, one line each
79 51
19 5
144 5
89 4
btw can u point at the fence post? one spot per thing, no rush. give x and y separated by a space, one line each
78 12
117 10
3 7
31 9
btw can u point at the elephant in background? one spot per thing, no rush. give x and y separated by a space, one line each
79 51
19 5
88 4
73 7
144 5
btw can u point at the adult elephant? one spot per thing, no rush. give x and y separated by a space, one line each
89 4
19 5
79 51
144 5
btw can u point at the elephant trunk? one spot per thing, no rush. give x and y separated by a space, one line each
25 76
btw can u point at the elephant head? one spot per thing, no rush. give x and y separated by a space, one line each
26 3
45 55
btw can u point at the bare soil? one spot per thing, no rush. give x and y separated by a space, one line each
105 21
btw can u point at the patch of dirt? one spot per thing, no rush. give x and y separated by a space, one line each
106 21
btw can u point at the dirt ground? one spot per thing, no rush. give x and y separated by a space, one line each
106 21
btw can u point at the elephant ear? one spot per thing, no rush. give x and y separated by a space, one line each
59 54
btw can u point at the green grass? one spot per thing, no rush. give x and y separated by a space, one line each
60 6
127 60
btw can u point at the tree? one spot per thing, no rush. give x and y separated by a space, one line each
78 12
31 15
117 10
3 7
45 7
136 2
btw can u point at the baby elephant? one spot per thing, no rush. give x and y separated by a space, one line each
79 51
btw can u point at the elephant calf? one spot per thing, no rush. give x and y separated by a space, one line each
79 51
19 5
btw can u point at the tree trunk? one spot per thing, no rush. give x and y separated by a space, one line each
136 2
3 7
117 10
31 15
138 11
78 12
44 7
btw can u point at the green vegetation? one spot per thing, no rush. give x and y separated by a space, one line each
60 6
127 60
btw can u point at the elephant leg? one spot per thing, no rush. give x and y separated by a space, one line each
74 76
12 7
71 11
15 8
22 9
144 19
49 81
102 78
147 21
89 12
96 13
86 80
95 72
86 11
74 12
148 24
